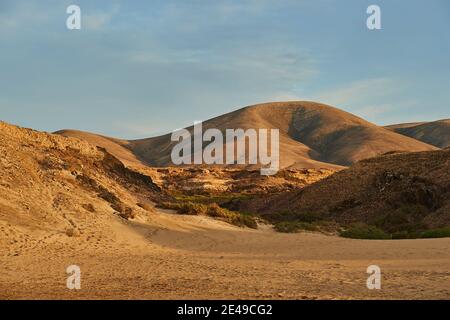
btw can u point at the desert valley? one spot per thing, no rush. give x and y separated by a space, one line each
349 194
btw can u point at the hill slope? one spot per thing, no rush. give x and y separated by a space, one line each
436 133
116 147
404 192
51 184
312 135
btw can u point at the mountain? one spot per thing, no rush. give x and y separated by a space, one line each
312 135
400 192
436 133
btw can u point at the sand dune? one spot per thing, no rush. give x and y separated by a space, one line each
312 135
436 133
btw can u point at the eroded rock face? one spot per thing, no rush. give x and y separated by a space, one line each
213 180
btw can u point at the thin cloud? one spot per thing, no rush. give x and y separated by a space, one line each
14 15
374 99
98 20
358 92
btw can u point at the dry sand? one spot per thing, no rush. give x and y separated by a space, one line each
168 256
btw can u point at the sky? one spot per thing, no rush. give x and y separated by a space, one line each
142 68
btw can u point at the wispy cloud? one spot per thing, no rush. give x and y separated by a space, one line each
373 99
14 15
98 20
359 92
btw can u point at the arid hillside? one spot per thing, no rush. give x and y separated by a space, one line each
398 193
65 202
116 147
436 133
312 135
51 184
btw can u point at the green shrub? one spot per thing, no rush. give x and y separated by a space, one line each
405 234
436 233
206 199
235 218
364 231
306 217
295 226
243 220
184 207
192 208
287 226
212 210
169 205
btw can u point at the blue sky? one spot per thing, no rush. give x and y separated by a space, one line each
137 68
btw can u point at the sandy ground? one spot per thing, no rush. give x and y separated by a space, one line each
170 256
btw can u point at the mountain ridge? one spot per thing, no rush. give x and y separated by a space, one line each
312 135
436 133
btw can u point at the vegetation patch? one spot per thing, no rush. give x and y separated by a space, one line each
297 226
212 210
364 231
213 198
294 226
436 233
